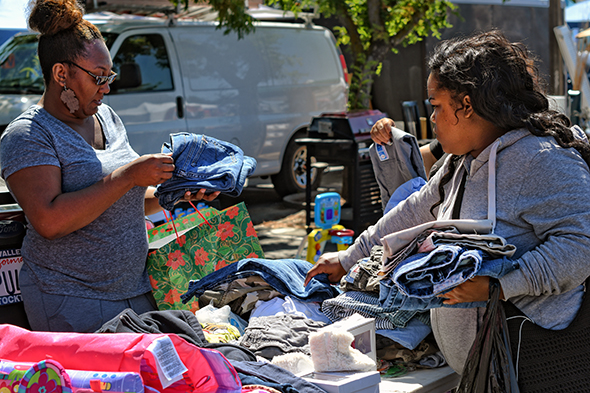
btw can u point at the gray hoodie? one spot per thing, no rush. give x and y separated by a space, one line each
543 200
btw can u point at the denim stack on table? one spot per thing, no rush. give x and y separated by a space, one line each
203 162
285 276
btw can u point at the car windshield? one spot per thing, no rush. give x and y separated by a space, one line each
20 71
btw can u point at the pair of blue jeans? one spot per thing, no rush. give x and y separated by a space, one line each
418 280
286 276
202 161
273 376
424 275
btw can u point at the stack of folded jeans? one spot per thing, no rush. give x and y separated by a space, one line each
203 162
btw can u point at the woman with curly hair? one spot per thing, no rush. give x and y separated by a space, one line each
486 101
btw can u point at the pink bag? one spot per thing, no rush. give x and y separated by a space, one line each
166 362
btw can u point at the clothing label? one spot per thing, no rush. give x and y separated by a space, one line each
352 274
10 264
381 152
170 367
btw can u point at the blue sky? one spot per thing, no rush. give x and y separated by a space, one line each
12 14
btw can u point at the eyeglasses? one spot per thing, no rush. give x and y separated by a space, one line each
100 79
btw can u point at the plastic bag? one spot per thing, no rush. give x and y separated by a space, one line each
212 314
489 367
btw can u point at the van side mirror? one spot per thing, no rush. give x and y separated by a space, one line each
129 77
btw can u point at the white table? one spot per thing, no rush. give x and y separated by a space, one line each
436 380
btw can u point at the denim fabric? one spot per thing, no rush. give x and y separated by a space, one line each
410 336
404 191
268 374
391 262
258 381
391 298
367 305
287 276
420 291
424 275
203 162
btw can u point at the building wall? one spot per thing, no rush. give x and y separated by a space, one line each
404 74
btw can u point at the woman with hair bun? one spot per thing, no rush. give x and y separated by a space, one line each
84 191
491 115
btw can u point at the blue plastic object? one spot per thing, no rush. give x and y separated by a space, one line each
327 210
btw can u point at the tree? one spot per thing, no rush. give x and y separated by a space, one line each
369 29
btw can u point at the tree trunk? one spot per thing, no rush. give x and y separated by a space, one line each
361 84
363 75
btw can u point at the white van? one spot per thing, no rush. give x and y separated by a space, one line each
259 92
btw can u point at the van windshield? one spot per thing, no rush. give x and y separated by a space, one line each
20 71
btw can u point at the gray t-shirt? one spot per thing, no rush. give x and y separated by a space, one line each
107 258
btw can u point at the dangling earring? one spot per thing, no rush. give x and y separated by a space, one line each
68 97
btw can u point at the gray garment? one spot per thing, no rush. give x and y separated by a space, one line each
542 208
275 335
404 162
107 258
494 246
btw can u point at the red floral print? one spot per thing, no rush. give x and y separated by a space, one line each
225 230
201 257
175 259
232 212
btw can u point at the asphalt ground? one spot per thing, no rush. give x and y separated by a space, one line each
280 224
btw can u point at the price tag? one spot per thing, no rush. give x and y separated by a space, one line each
381 152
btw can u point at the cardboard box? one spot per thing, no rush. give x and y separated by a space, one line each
346 382
363 330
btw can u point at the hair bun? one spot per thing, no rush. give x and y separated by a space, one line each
52 16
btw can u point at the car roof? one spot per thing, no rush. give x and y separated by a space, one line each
113 23
117 24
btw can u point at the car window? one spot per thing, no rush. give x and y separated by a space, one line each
148 51
20 71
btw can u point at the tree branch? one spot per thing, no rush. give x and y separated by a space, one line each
356 44
399 37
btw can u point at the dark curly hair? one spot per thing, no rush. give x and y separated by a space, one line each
502 81
64 32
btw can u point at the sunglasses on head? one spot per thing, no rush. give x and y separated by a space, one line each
100 79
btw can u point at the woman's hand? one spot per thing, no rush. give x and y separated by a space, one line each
381 131
147 170
329 264
476 289
198 196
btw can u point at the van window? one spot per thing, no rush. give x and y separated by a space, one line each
20 70
148 51
221 62
298 57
